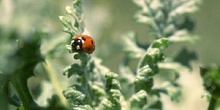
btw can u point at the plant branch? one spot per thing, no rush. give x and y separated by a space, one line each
54 80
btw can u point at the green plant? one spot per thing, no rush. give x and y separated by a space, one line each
24 58
94 86
169 22
210 76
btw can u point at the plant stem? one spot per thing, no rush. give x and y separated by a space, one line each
53 78
20 84
212 104
85 84
4 95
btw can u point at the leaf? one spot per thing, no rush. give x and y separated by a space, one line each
75 95
66 21
130 46
78 16
73 69
116 94
82 107
211 82
98 92
25 56
183 7
21 64
139 99
142 82
182 36
112 87
111 82
148 70
160 43
155 5
70 10
73 26
110 76
105 105
154 53
145 18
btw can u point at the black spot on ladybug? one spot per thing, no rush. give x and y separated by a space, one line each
83 38
92 42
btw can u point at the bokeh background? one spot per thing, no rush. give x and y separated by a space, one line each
107 21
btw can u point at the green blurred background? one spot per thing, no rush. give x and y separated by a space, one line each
106 21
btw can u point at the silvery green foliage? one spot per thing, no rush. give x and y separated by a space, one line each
92 90
147 66
113 100
139 99
98 88
73 24
95 86
168 18
131 47
168 21
88 91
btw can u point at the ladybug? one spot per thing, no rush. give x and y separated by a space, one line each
83 43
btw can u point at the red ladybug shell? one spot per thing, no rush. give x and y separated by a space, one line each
83 43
